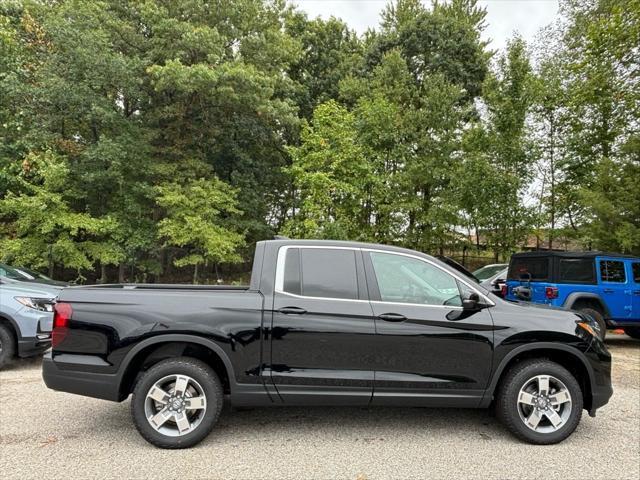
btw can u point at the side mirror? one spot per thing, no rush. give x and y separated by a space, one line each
471 302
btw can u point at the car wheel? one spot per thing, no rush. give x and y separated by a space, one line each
7 345
598 317
540 402
633 332
177 402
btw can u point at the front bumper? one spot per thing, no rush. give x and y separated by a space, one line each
601 388
59 376
30 347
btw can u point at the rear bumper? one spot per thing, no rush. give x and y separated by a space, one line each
89 384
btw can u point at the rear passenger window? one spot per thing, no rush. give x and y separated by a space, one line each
329 273
636 272
579 270
321 272
612 271
529 268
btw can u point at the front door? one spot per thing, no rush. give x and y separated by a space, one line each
322 327
615 287
429 351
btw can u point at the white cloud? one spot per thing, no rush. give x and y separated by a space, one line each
504 17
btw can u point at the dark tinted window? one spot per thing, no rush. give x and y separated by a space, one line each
292 271
329 273
577 270
636 272
612 271
536 268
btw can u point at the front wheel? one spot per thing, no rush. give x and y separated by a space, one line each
633 332
540 402
7 345
177 402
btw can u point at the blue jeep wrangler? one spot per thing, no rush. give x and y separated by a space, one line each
604 286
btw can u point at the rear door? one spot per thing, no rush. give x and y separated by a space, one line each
428 351
322 328
615 287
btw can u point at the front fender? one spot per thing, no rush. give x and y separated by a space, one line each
500 369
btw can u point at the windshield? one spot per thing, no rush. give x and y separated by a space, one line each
32 273
13 274
488 271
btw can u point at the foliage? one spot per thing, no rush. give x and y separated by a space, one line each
194 221
160 137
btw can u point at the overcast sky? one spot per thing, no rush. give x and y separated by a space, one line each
504 17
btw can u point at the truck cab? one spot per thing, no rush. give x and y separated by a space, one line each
604 286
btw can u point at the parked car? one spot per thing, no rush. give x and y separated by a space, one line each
326 323
26 316
489 271
497 284
604 286
41 277
24 274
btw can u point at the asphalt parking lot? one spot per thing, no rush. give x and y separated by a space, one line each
44 434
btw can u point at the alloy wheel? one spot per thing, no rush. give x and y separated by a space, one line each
544 404
175 405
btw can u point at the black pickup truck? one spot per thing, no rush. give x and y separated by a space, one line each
326 323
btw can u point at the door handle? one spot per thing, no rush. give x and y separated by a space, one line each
636 292
392 317
607 290
292 310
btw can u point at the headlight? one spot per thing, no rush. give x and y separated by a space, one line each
40 304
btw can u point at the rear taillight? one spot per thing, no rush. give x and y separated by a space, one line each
503 291
61 315
551 292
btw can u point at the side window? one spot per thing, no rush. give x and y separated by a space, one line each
636 271
320 272
409 280
580 270
612 271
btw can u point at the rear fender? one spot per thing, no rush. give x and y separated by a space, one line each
575 297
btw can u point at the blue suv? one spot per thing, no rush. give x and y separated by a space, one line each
602 285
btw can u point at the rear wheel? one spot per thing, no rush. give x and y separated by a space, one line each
177 402
598 317
633 332
7 345
540 402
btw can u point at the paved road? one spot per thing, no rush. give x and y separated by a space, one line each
44 434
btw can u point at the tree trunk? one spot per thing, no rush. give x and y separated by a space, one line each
195 273
121 268
103 273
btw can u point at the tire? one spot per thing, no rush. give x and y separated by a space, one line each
514 414
633 332
171 410
598 317
7 345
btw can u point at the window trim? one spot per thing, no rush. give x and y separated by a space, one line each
282 255
279 283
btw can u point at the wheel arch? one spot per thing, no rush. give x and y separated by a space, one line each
155 349
589 298
561 354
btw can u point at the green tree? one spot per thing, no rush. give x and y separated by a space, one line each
195 222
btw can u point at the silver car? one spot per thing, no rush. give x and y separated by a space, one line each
26 317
